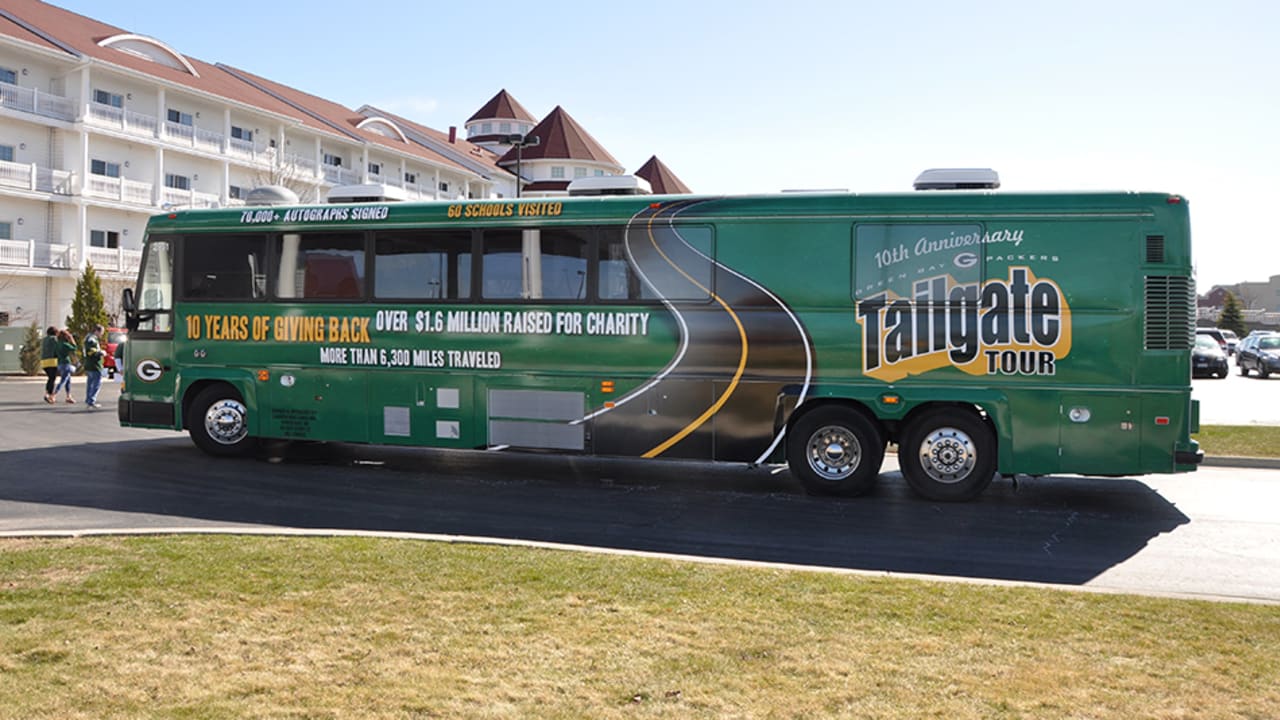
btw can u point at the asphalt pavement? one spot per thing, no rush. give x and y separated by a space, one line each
67 470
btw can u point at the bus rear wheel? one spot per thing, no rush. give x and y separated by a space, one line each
948 455
219 422
835 451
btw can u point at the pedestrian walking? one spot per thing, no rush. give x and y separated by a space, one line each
66 363
49 361
93 356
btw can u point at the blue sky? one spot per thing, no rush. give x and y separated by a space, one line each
745 96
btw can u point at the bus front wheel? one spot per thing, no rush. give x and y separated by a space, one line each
835 451
948 455
219 422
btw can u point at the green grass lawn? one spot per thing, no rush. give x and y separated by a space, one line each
1239 440
234 627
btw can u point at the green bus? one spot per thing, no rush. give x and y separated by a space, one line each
981 332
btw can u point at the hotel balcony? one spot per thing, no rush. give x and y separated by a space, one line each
24 176
30 100
129 192
33 254
114 260
42 255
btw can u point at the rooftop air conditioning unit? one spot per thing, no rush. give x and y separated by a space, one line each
610 185
958 179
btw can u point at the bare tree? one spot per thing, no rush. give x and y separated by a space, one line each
112 291
290 176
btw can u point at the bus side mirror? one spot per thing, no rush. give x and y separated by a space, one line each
130 309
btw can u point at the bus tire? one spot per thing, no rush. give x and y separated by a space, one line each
835 451
948 455
218 422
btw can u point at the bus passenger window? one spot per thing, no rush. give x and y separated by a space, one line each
223 267
320 266
535 264
618 281
422 264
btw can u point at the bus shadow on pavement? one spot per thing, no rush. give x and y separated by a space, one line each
1062 530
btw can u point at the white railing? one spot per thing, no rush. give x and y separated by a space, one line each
121 189
35 178
340 175
187 198
126 121
306 164
31 100
114 259
32 254
249 150
17 252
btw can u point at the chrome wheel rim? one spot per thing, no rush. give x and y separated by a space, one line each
834 452
224 422
948 455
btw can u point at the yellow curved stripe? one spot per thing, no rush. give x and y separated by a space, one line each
742 360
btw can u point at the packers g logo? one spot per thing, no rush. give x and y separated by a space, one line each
148 370
1015 326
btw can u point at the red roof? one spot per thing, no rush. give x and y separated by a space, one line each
503 107
54 27
561 138
661 179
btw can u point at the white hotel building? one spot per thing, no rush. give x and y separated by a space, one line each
101 128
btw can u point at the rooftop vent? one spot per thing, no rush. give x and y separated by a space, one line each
958 179
271 195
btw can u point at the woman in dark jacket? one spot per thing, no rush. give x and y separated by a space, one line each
66 351
49 361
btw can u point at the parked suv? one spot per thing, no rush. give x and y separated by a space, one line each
1259 352
1226 339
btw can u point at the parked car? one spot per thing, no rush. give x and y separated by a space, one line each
1226 339
114 337
1208 358
1259 352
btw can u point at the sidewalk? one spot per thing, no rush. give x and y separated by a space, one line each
111 387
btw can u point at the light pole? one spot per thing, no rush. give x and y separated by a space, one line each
520 142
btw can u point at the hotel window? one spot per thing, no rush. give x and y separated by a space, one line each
102 167
179 117
579 172
8 76
6 231
557 171
444 187
102 97
333 160
241 134
104 238
177 182
411 178
504 127
599 173
375 168
235 192
486 128
6 153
